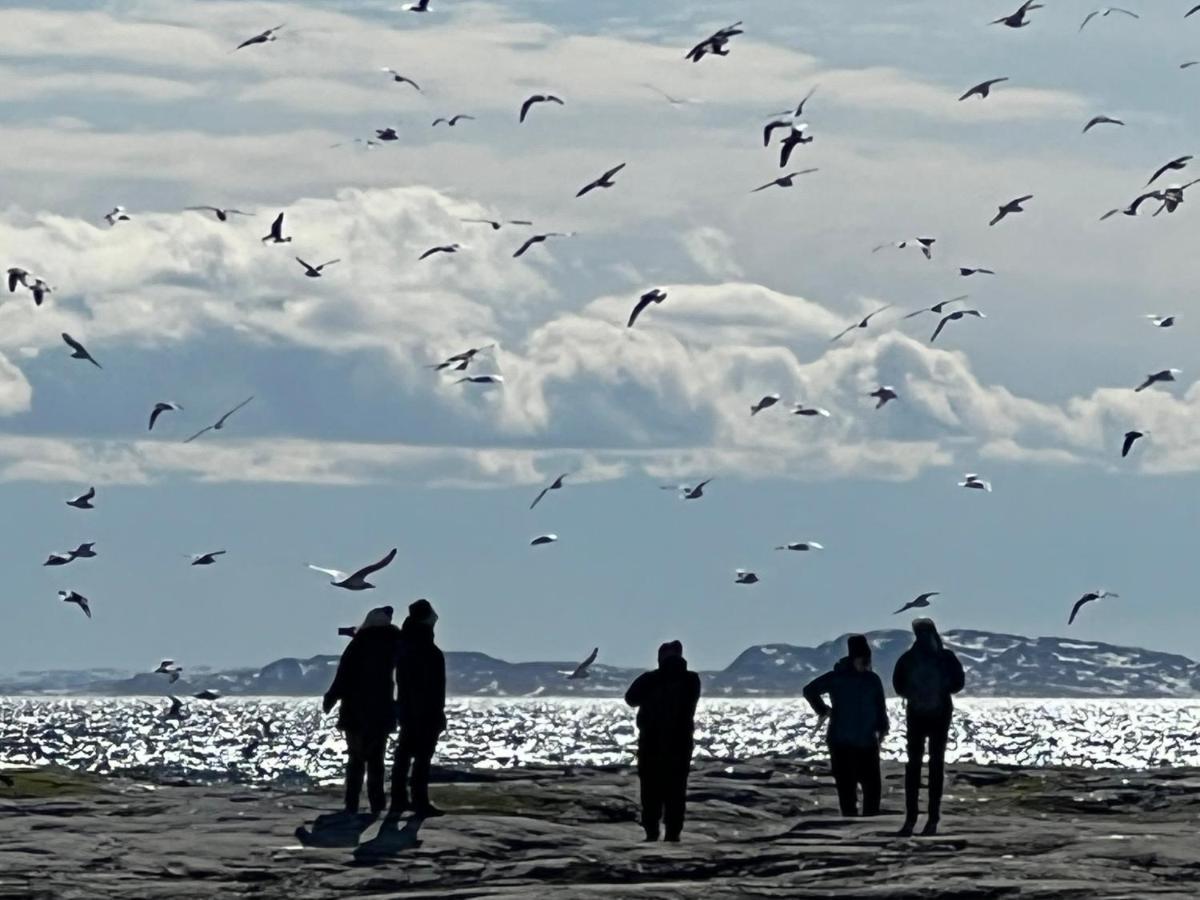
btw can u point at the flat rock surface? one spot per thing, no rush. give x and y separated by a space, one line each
766 829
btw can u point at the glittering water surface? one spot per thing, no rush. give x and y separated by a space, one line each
267 739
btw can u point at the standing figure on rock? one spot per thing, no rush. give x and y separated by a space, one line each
926 676
366 688
666 703
858 721
420 709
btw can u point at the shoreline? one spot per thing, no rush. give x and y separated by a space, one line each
759 827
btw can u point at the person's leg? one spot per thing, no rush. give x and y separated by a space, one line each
872 782
938 737
423 751
355 765
375 751
400 766
650 776
912 775
841 761
675 795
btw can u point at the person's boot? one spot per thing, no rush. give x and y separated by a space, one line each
931 826
651 836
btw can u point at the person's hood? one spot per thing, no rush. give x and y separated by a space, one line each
926 634
377 618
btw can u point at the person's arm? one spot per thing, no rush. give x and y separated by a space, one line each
439 687
636 694
338 689
881 713
958 678
813 691
900 676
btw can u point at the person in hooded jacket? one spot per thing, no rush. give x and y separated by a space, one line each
927 675
666 703
420 710
858 721
365 687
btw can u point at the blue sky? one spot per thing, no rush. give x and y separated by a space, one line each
353 445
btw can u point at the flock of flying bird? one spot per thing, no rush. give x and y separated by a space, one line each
796 133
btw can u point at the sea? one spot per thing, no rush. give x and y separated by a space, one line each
256 740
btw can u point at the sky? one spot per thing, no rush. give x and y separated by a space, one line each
354 445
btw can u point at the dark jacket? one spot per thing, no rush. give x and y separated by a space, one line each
926 677
858 717
420 681
365 684
666 703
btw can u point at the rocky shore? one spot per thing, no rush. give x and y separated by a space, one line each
765 829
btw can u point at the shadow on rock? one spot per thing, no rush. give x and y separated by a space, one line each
392 840
340 829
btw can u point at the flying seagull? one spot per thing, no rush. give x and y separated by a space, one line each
967 271
1100 120
220 423
80 352
604 181
656 295
315 271
1158 377
1131 437
387 134
938 308
166 667
276 235
496 223
862 323
176 711
1107 11
1087 598
799 409
716 43
118 214
78 599
1162 321
1011 207
955 316
543 539
765 403
1175 165
802 546
785 181
85 551
58 559
1018 19
884 394
581 670
221 214
17 276
687 492
983 89
741 576
206 559
460 361
537 98
555 485
358 580
400 79
262 37
452 120
419 6
538 239
797 136
482 379
208 695
444 248
159 409
920 602
924 244
84 501
971 481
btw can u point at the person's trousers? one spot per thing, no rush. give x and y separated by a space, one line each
414 750
365 752
663 778
854 766
934 730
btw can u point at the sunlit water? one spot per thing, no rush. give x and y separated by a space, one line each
269 739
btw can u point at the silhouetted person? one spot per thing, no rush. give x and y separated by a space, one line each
666 703
858 721
366 689
420 709
926 676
